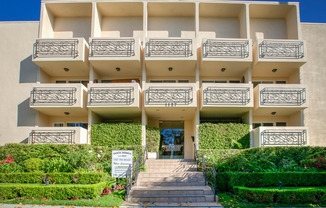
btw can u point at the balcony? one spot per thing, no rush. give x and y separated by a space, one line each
285 99
114 99
170 100
280 136
58 135
55 99
235 55
284 55
62 57
226 99
178 53
108 54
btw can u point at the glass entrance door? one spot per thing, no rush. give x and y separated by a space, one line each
172 144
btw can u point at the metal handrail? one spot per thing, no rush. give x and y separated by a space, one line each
52 137
54 96
226 96
210 176
133 172
288 137
111 96
214 48
279 96
55 48
281 49
112 47
169 48
169 96
208 171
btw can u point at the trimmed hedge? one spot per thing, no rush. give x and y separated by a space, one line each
224 136
215 155
113 134
227 180
38 191
57 178
287 196
153 135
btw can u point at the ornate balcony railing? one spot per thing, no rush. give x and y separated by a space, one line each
53 96
56 48
53 137
112 48
225 49
226 96
169 48
111 96
281 49
168 96
285 97
288 137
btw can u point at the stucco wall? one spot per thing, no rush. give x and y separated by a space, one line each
18 73
313 74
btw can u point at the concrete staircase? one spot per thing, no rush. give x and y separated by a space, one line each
171 181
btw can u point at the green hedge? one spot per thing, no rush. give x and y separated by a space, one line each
224 136
273 159
227 180
153 135
113 134
215 155
38 191
286 196
57 178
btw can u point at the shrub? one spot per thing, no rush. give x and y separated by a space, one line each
113 134
9 166
224 136
287 196
216 155
57 165
227 180
33 164
57 178
38 191
153 135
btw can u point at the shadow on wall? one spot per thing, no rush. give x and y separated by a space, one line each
25 141
28 71
25 115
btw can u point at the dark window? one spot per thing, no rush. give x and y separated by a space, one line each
280 123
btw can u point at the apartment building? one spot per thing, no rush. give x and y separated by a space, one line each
171 64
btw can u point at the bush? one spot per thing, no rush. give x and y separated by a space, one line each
9 165
227 180
57 178
216 155
57 165
272 159
224 136
153 135
33 164
113 134
38 191
287 196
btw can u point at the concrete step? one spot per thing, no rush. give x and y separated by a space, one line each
171 174
169 198
186 179
153 184
170 190
170 162
170 165
165 170
172 205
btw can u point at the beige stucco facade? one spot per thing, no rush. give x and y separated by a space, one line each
151 61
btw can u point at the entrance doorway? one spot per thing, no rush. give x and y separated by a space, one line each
172 140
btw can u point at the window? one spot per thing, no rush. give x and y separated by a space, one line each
280 82
268 82
60 81
280 123
256 125
208 81
183 81
83 125
234 81
214 81
268 124
58 124
84 82
169 81
106 81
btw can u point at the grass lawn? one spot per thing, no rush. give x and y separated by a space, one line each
231 200
113 199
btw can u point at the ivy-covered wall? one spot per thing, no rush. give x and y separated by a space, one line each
113 134
153 135
224 136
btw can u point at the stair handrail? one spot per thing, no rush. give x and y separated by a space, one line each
210 176
196 156
133 172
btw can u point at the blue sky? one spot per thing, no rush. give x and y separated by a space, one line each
29 10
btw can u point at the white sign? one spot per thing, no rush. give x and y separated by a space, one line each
121 159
